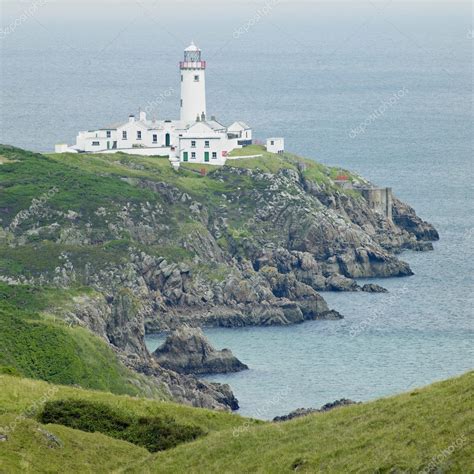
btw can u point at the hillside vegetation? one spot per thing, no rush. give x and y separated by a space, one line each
426 430
85 188
37 344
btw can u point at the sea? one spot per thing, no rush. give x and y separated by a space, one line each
383 88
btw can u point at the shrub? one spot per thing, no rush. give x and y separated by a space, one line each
9 371
152 433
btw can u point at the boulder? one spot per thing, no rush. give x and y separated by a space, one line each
373 288
188 351
341 283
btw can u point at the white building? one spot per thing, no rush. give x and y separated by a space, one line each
194 138
276 145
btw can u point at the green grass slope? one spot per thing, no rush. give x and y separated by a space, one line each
36 345
398 434
425 430
18 395
29 448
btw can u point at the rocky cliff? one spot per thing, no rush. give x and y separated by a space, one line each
252 243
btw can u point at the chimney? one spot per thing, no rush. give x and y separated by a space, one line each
213 118
131 118
142 115
203 117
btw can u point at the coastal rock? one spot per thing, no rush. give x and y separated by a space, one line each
299 412
188 351
341 283
337 404
125 328
373 288
182 388
405 217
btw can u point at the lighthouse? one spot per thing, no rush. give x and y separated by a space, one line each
194 138
193 85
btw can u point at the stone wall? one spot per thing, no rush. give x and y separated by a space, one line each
380 200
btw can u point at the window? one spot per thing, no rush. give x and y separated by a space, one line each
206 144
272 143
214 155
181 102
196 78
155 138
182 78
109 133
193 154
139 135
95 143
193 144
124 135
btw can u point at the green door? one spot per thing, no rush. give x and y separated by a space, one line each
206 156
185 156
167 139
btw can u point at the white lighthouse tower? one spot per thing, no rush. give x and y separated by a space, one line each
193 85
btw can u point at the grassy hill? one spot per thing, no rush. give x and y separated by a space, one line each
425 430
30 447
36 344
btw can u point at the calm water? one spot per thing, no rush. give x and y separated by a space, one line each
311 74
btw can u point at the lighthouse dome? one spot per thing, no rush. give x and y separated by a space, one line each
192 48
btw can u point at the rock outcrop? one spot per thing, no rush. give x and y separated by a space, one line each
404 216
299 412
185 389
188 351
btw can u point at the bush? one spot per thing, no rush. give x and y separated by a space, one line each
152 433
9 371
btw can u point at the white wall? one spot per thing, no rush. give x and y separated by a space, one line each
142 151
193 93
216 145
131 128
276 145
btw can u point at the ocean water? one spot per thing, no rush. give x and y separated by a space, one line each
314 73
